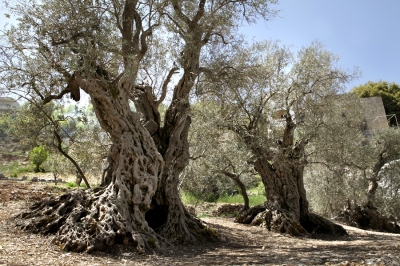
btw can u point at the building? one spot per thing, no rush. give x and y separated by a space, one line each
373 110
375 115
8 103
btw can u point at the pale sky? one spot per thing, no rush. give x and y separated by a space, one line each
365 33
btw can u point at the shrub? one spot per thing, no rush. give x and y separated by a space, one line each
38 156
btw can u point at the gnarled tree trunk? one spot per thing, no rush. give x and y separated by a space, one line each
116 213
173 220
287 208
367 216
282 175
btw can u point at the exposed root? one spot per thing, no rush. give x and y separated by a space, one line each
182 227
318 225
87 222
282 221
367 217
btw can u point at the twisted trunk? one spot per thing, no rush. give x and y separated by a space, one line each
287 208
86 222
282 175
367 216
168 216
173 220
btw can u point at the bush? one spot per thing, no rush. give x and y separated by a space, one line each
38 156
74 185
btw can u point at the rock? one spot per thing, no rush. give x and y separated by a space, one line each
228 210
24 178
2 176
35 179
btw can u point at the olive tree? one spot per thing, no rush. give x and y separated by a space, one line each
274 100
116 52
351 166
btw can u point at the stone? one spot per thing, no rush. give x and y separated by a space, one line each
35 179
24 178
228 210
2 176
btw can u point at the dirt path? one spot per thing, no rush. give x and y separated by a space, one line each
239 245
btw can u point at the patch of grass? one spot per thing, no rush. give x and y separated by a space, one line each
202 215
238 199
15 169
235 199
71 184
188 198
258 190
257 200
74 185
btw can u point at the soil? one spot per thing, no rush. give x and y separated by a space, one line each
239 244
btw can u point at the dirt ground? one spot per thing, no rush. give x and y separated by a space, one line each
239 245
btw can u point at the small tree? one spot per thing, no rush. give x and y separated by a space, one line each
218 160
38 156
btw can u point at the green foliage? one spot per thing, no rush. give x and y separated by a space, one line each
4 124
74 185
71 184
38 156
256 197
389 92
238 199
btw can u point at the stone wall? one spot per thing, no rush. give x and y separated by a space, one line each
375 115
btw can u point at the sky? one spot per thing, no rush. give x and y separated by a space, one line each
365 33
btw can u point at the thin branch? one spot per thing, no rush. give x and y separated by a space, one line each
165 85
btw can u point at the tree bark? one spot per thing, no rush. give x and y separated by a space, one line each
287 209
367 216
86 222
168 215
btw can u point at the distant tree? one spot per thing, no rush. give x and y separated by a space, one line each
5 120
390 93
50 126
218 160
